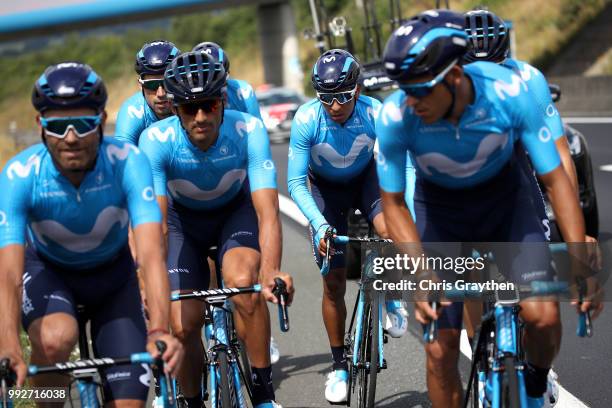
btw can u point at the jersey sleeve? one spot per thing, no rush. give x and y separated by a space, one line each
251 104
157 154
538 87
391 160
14 206
535 135
137 184
130 122
261 168
297 171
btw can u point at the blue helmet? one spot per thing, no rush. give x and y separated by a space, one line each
154 57
488 36
69 85
426 44
214 50
194 76
335 70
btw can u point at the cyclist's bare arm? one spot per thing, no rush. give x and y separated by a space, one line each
265 202
568 163
11 284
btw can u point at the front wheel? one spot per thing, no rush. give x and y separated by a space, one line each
368 355
510 390
224 382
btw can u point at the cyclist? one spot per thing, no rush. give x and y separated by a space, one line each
460 125
216 166
239 95
150 104
489 40
71 199
331 146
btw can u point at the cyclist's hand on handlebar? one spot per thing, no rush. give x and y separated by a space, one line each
267 286
593 253
592 298
320 238
173 356
17 365
424 313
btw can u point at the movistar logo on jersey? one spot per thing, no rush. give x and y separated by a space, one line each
335 159
303 118
23 170
187 189
80 243
245 92
136 112
244 128
445 165
513 89
156 133
528 71
114 152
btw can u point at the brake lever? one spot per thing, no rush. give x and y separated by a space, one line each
159 363
280 291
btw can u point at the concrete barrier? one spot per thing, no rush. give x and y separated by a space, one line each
584 96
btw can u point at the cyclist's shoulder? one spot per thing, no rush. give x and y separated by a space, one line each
369 102
308 113
239 124
25 161
393 110
241 87
136 100
499 86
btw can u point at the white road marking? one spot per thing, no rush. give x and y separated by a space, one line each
586 120
606 167
291 210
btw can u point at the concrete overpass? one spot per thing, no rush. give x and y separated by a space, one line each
32 18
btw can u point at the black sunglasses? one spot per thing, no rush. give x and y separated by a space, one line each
208 106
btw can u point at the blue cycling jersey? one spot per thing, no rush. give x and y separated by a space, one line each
474 150
76 227
205 180
241 97
134 116
540 92
335 152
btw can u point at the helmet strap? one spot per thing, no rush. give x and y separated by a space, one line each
452 90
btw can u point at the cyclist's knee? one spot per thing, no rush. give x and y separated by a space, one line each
240 266
187 319
442 355
53 340
543 317
334 284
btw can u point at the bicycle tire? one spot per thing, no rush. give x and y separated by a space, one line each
362 372
368 356
225 380
511 398
374 344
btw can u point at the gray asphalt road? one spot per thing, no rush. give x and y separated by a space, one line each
584 365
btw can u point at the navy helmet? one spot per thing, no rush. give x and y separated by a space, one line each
488 36
154 57
335 70
426 44
69 85
214 50
194 76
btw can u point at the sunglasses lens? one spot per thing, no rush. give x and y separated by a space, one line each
82 125
152 84
210 106
341 97
417 92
